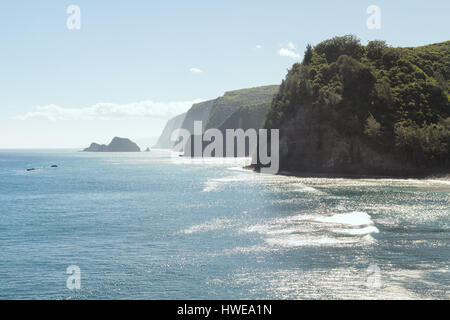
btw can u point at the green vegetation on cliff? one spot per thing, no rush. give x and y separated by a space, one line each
242 109
246 117
366 100
232 101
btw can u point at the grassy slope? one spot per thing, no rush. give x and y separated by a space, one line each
232 101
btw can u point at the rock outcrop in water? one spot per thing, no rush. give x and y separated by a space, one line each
117 145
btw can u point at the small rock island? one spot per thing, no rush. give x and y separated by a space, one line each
116 145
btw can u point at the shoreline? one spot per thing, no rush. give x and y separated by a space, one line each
302 174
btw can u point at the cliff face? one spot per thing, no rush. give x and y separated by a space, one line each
199 112
116 145
246 117
235 109
372 109
239 109
173 124
312 146
232 101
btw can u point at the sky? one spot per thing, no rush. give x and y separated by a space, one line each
132 64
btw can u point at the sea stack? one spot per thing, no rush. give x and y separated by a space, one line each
116 145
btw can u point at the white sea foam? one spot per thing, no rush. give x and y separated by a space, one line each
216 224
232 180
294 240
353 218
246 250
271 230
211 186
312 230
446 182
300 187
240 169
369 239
356 232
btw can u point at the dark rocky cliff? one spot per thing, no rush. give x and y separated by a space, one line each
354 109
309 146
246 117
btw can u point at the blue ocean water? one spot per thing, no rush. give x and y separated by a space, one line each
157 226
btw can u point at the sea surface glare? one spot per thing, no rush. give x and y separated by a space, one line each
157 226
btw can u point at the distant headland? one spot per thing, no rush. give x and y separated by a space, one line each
116 145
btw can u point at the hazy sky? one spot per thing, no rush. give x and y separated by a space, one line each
134 64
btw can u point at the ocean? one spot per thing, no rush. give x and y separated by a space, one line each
158 226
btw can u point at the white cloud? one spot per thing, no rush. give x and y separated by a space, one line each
258 46
285 52
291 46
109 111
196 70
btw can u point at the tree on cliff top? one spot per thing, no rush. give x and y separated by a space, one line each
348 86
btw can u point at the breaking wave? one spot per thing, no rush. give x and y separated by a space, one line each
311 230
